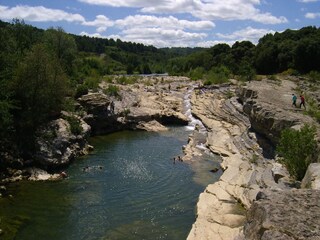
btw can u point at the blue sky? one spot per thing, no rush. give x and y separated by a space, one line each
167 23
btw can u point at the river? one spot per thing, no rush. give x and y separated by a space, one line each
127 188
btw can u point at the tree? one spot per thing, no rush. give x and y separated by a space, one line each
297 150
62 46
39 88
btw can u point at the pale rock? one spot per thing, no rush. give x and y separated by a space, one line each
312 177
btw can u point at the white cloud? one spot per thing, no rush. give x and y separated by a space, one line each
312 15
307 1
162 37
163 22
101 23
97 35
122 3
202 9
208 44
235 10
38 14
156 36
248 34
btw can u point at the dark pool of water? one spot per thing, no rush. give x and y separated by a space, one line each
132 190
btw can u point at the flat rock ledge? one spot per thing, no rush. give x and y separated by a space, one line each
231 207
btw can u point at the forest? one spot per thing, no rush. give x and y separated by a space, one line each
43 71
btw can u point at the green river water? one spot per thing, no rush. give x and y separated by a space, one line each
131 190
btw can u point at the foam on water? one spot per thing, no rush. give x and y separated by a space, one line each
193 122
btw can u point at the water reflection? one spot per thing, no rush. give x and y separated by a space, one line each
130 190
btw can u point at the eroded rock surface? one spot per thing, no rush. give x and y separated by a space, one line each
58 145
264 107
290 214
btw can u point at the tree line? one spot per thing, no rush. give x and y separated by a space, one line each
42 71
294 51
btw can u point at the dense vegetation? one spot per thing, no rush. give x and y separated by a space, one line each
41 71
295 50
297 150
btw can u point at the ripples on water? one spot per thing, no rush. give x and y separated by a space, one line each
130 190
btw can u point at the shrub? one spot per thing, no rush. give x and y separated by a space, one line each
112 90
108 79
75 126
314 76
246 72
291 72
272 77
92 83
297 150
127 80
81 90
197 73
313 109
217 75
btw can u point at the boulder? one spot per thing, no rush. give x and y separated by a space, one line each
37 174
152 126
282 215
58 146
312 177
99 116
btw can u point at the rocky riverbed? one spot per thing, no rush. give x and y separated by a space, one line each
255 197
243 123
148 104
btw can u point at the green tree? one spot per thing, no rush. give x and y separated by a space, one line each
297 150
8 60
39 87
62 46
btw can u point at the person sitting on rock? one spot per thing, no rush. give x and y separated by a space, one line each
63 174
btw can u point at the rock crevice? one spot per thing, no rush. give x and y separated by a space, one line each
250 181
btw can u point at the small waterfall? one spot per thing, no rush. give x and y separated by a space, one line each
201 135
192 121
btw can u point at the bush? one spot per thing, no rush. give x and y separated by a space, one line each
246 73
75 126
81 90
217 75
313 109
291 72
197 73
112 90
123 80
297 150
314 76
92 83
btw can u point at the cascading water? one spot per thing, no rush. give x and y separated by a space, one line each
193 122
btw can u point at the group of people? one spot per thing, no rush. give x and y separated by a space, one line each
178 158
302 101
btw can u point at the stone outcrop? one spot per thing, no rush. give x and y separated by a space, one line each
268 106
285 215
58 145
137 108
235 125
152 126
98 114
312 177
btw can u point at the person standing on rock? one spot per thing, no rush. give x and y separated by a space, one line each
302 101
294 100
112 107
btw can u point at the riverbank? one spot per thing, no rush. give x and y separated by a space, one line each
243 122
236 119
